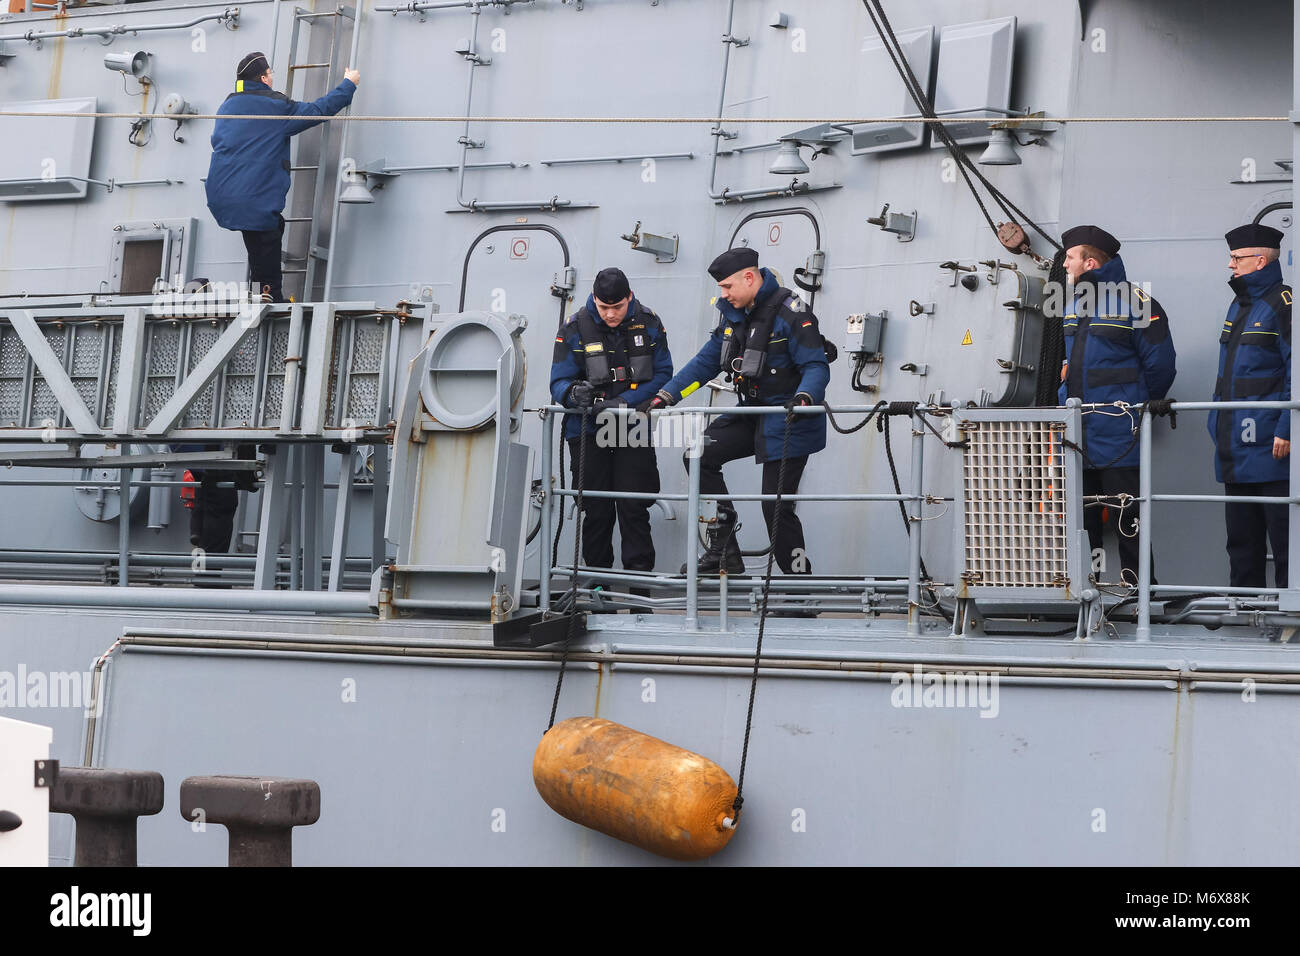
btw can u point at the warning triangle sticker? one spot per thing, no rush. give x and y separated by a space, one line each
967 340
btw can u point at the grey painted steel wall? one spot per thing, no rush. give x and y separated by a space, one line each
431 754
1164 189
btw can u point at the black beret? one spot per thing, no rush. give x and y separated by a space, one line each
1254 236
1093 236
731 262
252 66
611 286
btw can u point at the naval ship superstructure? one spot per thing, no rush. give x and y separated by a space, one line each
967 684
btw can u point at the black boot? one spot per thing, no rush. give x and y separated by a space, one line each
723 549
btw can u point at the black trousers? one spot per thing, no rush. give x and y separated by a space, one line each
1250 528
264 268
728 439
1113 482
624 468
212 520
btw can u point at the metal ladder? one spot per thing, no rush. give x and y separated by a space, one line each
312 156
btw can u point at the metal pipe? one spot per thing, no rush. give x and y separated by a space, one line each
343 602
446 5
124 527
691 622
914 529
717 131
453 167
1242 499
1144 532
275 34
673 496
338 181
160 559
798 583
465 141
742 410
582 160
548 502
230 13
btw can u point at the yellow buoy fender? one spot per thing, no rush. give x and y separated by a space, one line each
635 788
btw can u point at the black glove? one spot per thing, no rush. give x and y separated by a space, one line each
605 403
798 400
661 399
580 395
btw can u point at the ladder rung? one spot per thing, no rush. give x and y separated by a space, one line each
308 66
296 168
297 218
313 16
290 272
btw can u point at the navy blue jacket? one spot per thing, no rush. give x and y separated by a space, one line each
1254 363
569 362
796 342
1118 359
249 175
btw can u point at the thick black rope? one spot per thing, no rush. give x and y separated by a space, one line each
762 619
914 88
1051 353
573 588
882 424
860 425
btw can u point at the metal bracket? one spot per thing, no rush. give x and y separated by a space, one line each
901 224
954 268
738 41
996 266
920 308
919 370
663 248
564 282
536 630
45 773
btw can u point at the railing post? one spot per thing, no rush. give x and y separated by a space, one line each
691 525
914 525
1144 531
548 502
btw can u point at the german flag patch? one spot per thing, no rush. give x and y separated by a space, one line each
806 324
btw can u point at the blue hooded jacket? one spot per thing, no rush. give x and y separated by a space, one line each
796 342
568 364
1120 358
1254 364
248 178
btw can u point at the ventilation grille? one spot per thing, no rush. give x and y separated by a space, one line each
1013 481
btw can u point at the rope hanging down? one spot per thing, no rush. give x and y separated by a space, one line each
577 540
762 617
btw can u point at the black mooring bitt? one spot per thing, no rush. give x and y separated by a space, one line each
537 629
259 812
106 804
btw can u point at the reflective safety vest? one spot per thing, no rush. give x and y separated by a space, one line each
187 491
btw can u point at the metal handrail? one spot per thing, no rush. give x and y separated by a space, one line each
1146 498
693 496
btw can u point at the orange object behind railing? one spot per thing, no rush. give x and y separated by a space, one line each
17 6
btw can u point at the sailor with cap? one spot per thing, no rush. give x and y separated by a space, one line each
769 346
1252 445
612 353
1118 348
249 175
